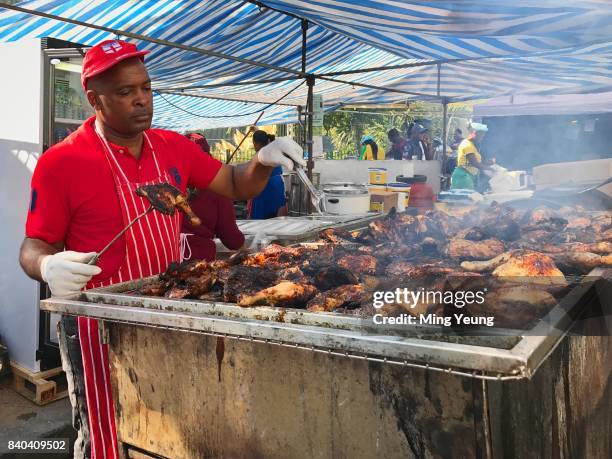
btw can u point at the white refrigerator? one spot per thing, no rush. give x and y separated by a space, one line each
41 102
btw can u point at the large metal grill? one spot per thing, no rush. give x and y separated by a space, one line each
492 354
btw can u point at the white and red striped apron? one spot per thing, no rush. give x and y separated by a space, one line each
151 245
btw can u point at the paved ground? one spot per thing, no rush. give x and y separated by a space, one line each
21 419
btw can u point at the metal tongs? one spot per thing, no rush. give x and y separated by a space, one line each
316 197
97 256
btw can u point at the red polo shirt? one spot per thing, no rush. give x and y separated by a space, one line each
74 199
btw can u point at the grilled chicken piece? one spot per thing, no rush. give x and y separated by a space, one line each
336 236
276 256
537 236
581 262
165 198
293 274
578 222
578 247
344 296
538 215
606 235
514 307
519 264
520 294
504 230
247 280
384 230
602 222
486 265
447 223
284 294
332 276
462 249
153 289
185 270
530 266
433 247
359 264
386 252
427 227
192 287
407 269
405 219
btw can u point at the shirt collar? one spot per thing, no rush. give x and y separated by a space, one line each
118 150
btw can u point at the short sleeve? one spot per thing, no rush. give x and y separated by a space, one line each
48 212
202 167
227 228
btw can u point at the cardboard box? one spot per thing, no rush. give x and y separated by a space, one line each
383 201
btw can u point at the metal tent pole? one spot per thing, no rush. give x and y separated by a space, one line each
304 32
439 76
444 128
381 88
309 112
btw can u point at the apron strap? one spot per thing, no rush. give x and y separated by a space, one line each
185 247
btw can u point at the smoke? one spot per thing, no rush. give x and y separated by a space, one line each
522 142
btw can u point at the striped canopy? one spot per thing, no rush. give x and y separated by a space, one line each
439 50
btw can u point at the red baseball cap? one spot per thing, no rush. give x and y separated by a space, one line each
106 54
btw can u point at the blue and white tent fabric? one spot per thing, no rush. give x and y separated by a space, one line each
453 50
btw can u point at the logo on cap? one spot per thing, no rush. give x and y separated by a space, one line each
112 47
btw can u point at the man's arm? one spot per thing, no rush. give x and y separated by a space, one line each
242 181
246 181
31 254
66 272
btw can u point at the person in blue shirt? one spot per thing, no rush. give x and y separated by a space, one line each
271 202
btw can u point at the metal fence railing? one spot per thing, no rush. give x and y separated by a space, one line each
339 155
239 157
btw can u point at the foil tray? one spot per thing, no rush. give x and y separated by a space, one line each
289 230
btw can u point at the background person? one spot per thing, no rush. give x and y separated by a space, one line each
469 160
398 145
417 145
370 150
218 220
199 140
271 202
456 140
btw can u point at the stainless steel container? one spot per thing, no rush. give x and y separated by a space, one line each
298 195
346 199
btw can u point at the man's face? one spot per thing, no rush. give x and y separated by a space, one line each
480 135
122 97
394 138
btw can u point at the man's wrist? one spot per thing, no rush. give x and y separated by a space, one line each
259 164
42 263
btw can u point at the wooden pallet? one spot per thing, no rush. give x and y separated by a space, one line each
42 387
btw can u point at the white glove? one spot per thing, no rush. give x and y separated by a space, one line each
67 272
281 152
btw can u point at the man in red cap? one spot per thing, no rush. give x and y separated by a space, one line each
83 195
